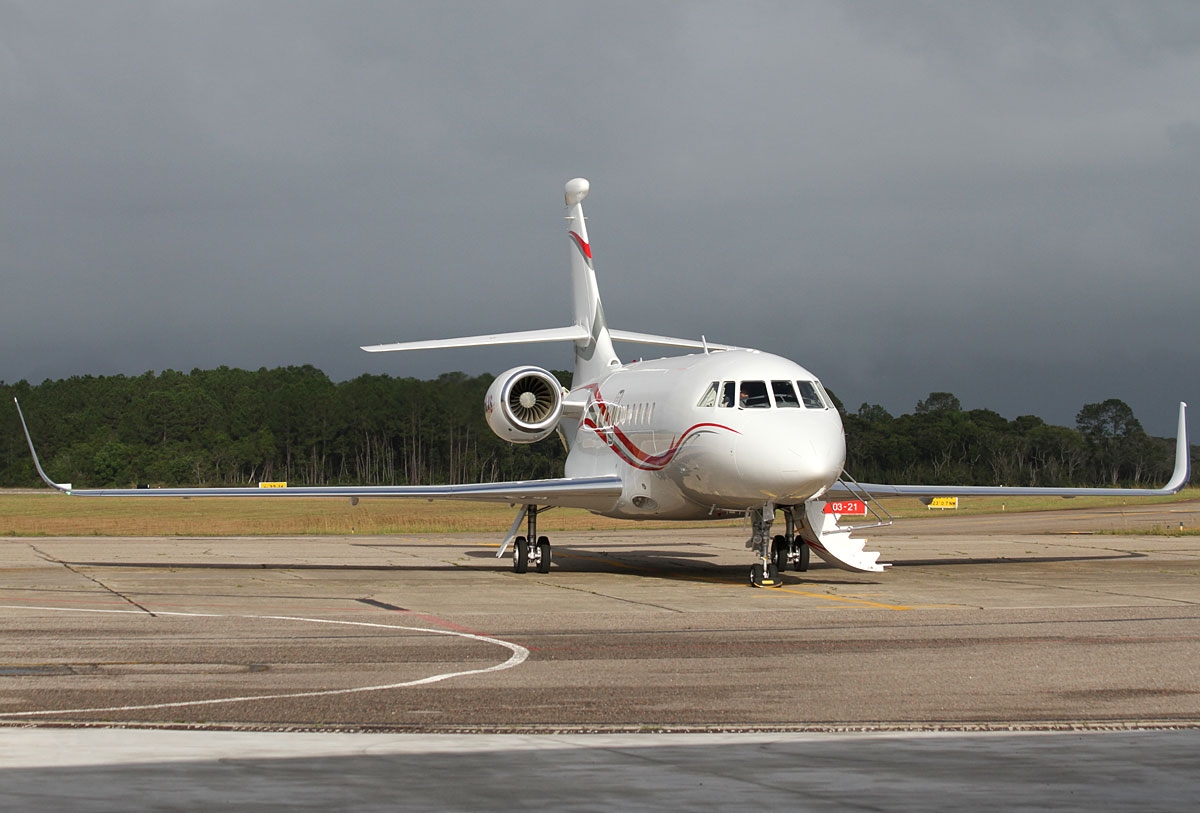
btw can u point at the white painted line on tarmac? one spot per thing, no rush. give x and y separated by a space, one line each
519 654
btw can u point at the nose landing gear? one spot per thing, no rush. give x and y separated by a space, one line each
779 552
765 572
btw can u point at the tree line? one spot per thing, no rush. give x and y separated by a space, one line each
237 427
941 443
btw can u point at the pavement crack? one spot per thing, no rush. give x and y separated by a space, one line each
51 558
598 594
1089 590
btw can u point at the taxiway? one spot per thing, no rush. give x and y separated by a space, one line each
1059 622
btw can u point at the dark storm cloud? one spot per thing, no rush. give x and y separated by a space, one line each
992 199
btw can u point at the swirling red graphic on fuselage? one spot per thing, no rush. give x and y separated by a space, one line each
624 447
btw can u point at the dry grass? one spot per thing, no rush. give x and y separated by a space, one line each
53 514
908 507
46 513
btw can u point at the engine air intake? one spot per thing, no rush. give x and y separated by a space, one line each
524 404
531 399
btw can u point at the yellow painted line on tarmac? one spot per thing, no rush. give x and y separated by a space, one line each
847 599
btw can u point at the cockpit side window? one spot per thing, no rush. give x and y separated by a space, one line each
810 395
709 398
824 395
753 395
728 394
785 395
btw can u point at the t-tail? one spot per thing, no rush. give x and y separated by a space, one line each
594 354
593 339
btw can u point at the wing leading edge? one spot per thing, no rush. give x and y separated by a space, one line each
590 493
1179 478
574 333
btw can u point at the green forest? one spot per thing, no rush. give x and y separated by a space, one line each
293 424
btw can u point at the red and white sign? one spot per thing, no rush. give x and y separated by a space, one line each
854 508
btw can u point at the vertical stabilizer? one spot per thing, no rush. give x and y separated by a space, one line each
594 355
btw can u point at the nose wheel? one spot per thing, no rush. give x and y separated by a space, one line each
764 576
776 553
765 572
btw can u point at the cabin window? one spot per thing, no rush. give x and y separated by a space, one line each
785 395
810 395
709 398
753 395
729 394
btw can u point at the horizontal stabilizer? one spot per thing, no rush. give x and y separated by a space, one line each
666 341
573 333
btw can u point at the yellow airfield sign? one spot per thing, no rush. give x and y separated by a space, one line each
943 502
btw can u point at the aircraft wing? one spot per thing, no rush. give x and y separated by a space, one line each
1179 478
590 493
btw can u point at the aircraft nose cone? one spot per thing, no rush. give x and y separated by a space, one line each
794 471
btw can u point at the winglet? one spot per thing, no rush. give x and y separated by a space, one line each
65 488
1183 454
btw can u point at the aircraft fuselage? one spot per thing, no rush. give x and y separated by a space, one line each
708 434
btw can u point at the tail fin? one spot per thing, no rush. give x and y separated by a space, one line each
594 355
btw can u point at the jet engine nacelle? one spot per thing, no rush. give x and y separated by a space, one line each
524 404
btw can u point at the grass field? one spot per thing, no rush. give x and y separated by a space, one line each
25 513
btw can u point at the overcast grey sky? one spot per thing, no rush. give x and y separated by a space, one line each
998 200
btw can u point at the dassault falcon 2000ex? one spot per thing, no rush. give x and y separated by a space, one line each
721 432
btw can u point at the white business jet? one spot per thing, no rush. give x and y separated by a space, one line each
718 433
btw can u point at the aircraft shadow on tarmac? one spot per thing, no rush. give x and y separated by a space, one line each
654 564
673 565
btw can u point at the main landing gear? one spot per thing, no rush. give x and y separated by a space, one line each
790 548
775 553
527 553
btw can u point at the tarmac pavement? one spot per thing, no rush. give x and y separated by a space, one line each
1080 638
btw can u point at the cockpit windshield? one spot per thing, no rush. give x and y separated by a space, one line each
753 395
785 395
810 395
757 395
